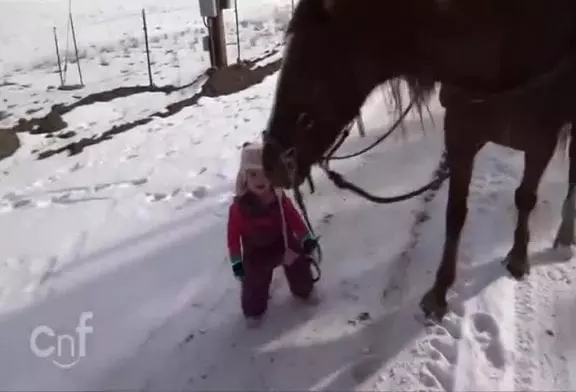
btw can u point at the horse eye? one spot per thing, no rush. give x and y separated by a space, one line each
289 153
304 121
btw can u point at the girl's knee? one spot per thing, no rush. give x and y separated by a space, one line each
254 305
251 311
254 301
300 279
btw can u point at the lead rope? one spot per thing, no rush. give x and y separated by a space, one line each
341 183
285 231
315 261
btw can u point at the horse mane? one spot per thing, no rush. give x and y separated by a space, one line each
307 12
419 88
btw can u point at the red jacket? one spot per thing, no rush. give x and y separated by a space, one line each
255 230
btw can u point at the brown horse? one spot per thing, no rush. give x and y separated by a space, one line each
507 71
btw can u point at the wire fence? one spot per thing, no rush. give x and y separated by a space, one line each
157 47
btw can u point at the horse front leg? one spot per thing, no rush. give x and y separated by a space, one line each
565 236
434 303
525 199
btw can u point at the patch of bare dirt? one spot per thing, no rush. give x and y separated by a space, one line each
225 81
53 121
237 77
9 143
77 147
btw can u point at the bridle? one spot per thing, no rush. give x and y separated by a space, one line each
288 159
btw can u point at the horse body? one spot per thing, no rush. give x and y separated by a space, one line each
507 71
487 46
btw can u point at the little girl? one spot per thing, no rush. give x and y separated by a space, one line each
264 232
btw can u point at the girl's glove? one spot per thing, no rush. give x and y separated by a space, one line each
309 245
238 269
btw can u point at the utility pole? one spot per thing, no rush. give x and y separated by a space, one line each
216 40
219 37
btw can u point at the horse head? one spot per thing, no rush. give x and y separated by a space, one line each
331 63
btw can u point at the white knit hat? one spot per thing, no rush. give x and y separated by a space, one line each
250 159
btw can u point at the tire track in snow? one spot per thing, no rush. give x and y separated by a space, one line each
520 305
524 324
65 197
421 216
541 363
483 356
518 357
439 342
554 366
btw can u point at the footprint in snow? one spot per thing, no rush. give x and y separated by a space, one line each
128 184
160 196
43 269
438 372
155 128
139 181
76 167
438 375
198 193
21 203
12 201
559 274
365 368
166 154
128 157
442 349
487 334
327 218
362 317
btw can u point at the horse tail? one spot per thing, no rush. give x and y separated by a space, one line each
572 154
565 140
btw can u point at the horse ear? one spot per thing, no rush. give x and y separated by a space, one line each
328 5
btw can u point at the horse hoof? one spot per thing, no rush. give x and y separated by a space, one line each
560 242
564 238
517 268
432 309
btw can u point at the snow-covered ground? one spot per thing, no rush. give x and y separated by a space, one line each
112 47
133 231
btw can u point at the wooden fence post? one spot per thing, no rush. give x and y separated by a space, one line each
58 57
237 31
147 47
76 49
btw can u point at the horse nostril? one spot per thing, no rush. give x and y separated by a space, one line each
290 166
304 121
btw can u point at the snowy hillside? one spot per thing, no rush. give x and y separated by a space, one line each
126 237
